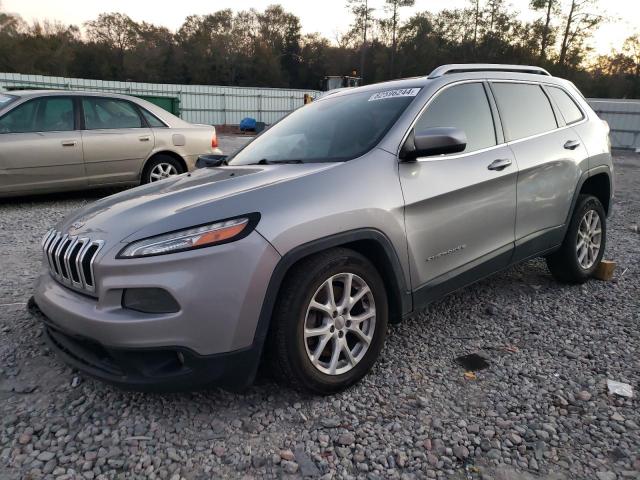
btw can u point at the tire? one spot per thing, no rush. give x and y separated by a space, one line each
166 163
566 264
289 352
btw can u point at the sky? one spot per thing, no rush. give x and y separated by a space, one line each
327 16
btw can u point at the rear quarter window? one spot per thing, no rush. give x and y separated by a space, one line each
524 108
6 100
568 108
151 119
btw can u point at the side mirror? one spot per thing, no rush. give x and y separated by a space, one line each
433 141
205 161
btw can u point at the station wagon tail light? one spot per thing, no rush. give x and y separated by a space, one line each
207 235
214 140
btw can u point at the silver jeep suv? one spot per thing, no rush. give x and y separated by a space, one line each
349 214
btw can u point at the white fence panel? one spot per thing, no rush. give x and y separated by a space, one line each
209 104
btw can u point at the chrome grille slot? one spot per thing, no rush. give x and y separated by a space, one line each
71 259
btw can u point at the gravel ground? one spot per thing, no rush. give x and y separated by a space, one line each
540 410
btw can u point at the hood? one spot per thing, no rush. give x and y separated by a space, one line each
205 195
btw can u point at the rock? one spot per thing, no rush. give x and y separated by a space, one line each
289 467
46 456
606 475
346 439
287 455
514 438
461 452
584 396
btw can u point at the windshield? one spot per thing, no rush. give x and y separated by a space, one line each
5 100
331 129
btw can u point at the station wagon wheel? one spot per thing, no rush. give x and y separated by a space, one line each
340 323
584 242
160 167
330 322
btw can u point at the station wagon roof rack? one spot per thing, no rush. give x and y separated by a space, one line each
486 67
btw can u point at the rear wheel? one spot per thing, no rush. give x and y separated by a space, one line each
161 167
330 322
584 243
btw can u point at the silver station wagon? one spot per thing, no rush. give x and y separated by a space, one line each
58 140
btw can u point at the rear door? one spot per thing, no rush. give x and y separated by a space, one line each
40 147
116 140
460 209
550 158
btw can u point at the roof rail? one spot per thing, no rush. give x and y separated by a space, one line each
485 67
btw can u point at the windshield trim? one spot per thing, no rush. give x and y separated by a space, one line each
326 98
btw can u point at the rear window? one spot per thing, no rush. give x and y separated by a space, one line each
566 104
525 109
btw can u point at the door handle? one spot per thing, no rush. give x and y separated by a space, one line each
144 138
572 144
69 143
499 164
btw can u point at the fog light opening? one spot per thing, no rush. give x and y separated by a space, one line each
149 300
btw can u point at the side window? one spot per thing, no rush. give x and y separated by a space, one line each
465 107
109 113
524 108
53 114
56 115
566 104
151 119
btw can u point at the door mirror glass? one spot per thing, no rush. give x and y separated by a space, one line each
433 141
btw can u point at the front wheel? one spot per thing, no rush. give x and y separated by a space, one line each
584 243
330 322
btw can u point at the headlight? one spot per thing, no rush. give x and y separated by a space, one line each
201 236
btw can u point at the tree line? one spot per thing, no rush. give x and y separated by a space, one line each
268 48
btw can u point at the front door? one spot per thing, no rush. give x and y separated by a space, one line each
40 149
116 140
460 208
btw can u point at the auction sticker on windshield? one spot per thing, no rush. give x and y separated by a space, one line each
400 92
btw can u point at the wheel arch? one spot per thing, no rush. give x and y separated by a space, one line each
588 183
371 243
599 185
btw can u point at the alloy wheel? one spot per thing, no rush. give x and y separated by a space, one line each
162 171
339 324
589 239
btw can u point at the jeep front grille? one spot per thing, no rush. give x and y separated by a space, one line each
70 259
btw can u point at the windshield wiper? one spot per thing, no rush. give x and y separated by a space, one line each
264 161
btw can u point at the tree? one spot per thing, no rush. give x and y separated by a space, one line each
116 30
631 49
362 23
551 8
579 25
393 8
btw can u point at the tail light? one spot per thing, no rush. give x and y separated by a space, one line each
214 140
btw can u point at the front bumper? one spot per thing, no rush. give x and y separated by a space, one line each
210 339
151 369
